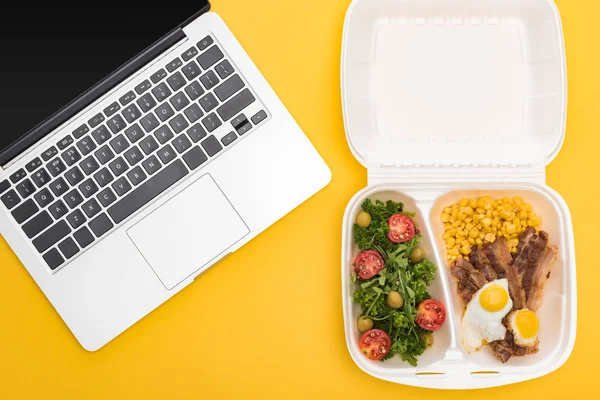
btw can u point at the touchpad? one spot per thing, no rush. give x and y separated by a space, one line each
188 232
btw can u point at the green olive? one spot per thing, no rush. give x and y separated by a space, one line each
394 299
363 219
417 255
428 339
364 323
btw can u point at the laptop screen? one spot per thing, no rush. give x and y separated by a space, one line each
50 56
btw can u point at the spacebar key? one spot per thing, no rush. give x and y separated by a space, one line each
148 191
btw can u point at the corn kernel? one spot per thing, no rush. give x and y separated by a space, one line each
448 210
486 222
467 210
468 220
472 241
494 229
452 220
478 241
516 222
480 210
464 203
481 235
465 250
452 232
495 213
454 213
528 207
464 242
445 217
487 229
447 226
513 243
479 226
456 224
503 230
461 216
476 219
454 206
473 203
450 242
511 229
518 200
523 214
453 258
474 233
488 214
495 221
490 237
446 236
469 227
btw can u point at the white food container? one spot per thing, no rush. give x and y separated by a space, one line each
445 99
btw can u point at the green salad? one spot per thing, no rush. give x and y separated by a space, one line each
392 275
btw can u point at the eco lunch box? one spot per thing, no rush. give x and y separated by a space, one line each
446 99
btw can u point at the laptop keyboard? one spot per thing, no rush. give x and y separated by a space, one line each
161 130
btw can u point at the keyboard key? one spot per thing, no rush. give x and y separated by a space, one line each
164 112
133 155
194 158
48 154
146 103
52 236
229 87
179 101
177 81
25 211
204 43
194 90
121 186
76 219
148 191
134 133
181 143
209 57
88 166
113 108
136 176
25 188
74 175
33 164
149 122
208 102
37 224
40 178
244 128
116 124
101 225
107 197
68 248
189 54
209 80
118 167
158 76
127 98
178 123
43 197
191 71
82 130
56 167
142 87
211 145
58 209
131 113
166 154
104 154
163 134
161 92
229 138
10 199
259 117
193 113
239 121
211 122
17 176
88 188
59 187
148 145
119 144
64 142
73 199
53 259
84 237
236 104
4 186
101 134
173 65
91 208
151 165
71 156
224 69
96 120
196 132
103 177
86 145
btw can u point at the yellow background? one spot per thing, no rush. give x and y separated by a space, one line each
267 322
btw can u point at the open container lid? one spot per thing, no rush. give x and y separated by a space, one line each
440 83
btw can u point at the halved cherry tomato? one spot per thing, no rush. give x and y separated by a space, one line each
431 315
402 228
368 264
375 344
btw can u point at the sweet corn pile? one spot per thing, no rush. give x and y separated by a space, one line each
478 221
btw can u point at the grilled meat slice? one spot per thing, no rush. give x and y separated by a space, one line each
501 261
539 277
481 263
520 259
529 254
502 349
470 280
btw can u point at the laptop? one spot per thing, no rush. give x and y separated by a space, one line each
138 148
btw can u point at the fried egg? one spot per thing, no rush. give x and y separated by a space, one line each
483 317
524 325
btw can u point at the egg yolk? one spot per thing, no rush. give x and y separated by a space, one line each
493 298
527 324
